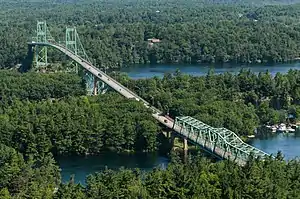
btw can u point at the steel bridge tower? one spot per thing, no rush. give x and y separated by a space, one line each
41 52
72 43
221 142
41 57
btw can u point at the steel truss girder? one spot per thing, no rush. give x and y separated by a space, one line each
219 140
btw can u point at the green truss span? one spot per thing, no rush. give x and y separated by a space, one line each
221 142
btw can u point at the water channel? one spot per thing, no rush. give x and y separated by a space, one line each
148 71
83 166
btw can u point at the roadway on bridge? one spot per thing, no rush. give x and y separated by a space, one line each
110 81
157 114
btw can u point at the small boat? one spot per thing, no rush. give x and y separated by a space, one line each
281 128
290 129
273 129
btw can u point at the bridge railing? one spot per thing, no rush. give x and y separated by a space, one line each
213 139
216 142
55 44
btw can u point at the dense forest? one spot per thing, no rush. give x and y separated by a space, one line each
34 128
116 33
198 178
269 179
77 125
34 86
26 178
46 115
42 113
238 102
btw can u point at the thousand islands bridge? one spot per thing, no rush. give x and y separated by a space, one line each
220 142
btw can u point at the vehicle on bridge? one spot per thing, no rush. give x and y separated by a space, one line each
52 41
169 118
221 142
134 98
99 74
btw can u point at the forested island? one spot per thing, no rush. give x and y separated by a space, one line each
64 121
116 34
47 115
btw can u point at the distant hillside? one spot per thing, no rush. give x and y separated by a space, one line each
115 33
252 2
197 2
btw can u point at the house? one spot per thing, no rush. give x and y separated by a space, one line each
153 40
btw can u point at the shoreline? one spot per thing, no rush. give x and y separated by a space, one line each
232 63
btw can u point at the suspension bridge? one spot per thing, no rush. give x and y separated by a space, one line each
220 142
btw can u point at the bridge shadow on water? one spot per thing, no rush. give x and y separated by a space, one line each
82 166
28 61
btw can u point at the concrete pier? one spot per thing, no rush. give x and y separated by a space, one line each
95 90
185 144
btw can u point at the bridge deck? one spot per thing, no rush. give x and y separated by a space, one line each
168 122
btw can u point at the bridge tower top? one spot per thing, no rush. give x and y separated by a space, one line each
74 44
41 31
43 40
71 43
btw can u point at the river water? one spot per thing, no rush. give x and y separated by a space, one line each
83 166
288 144
148 71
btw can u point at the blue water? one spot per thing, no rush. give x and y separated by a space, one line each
83 166
288 144
148 71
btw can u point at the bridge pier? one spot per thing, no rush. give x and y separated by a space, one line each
169 134
196 131
172 138
185 149
185 144
95 88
